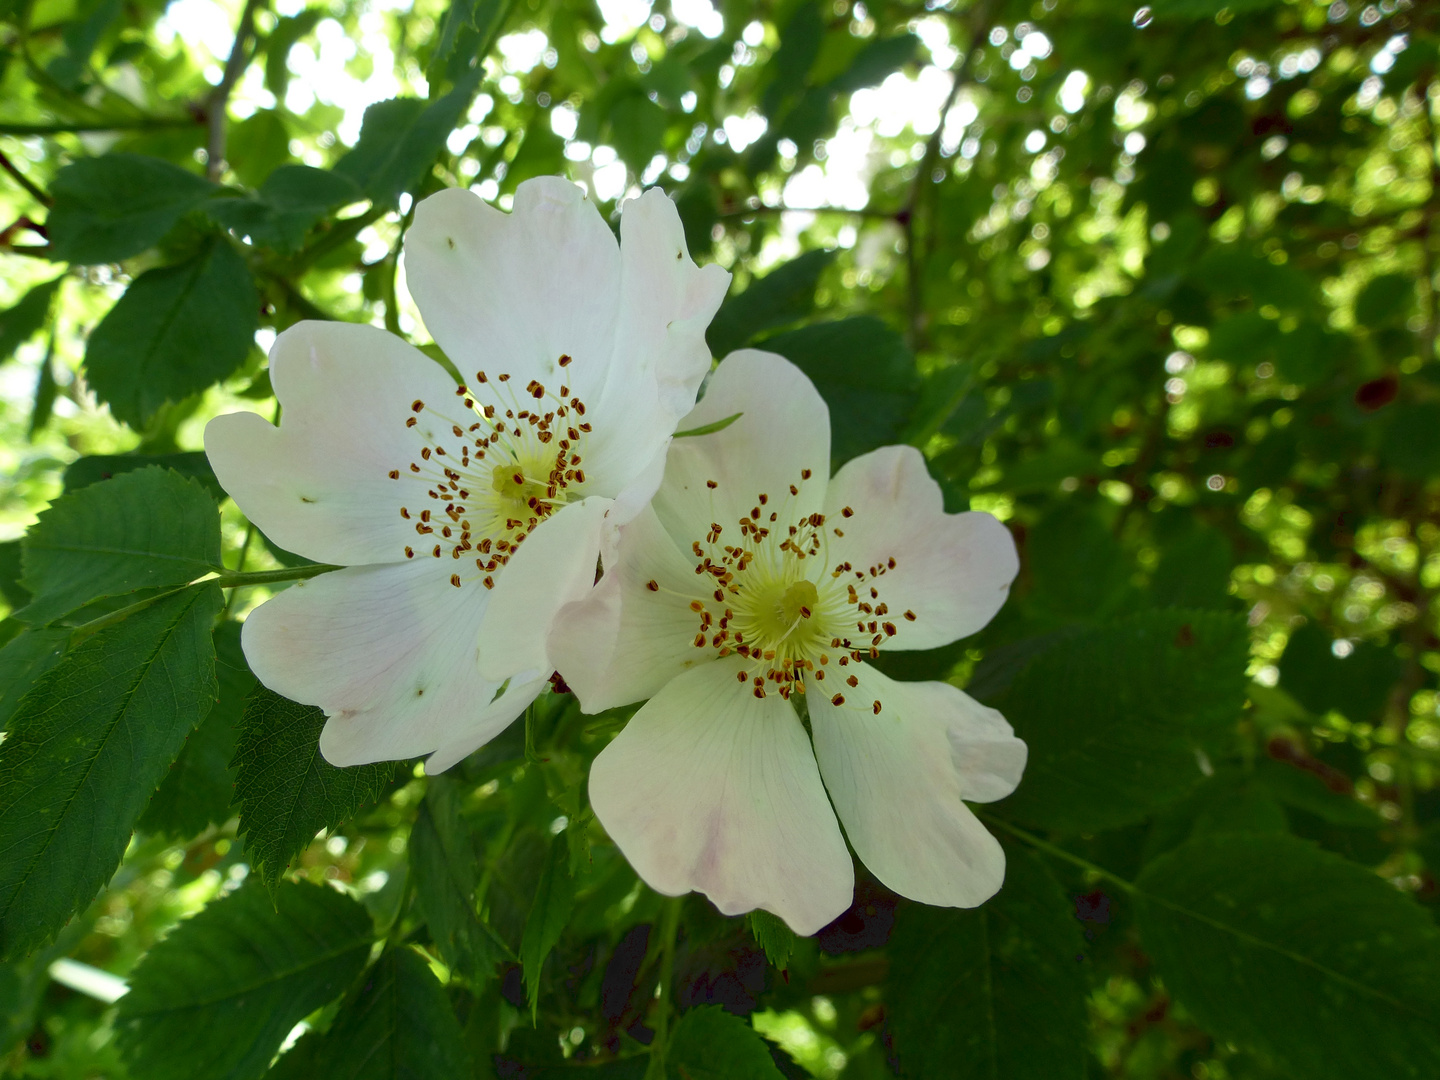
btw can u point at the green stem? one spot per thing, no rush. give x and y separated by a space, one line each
1053 850
669 930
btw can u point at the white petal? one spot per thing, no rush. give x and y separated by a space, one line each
711 789
510 293
666 302
897 780
319 484
784 430
624 641
389 652
953 571
553 567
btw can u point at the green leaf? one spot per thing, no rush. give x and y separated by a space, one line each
25 657
109 208
199 788
865 373
146 529
84 471
773 936
398 1025
21 322
45 392
1273 944
712 1044
1357 685
709 429
257 146
399 142
289 203
467 35
176 331
219 994
1116 717
1385 299
877 60
783 296
443 860
287 33
1079 569
84 752
637 129
969 988
286 791
549 913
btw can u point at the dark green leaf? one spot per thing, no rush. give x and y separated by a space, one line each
554 901
712 1044
15 594
145 529
783 296
397 1026
201 784
865 373
637 129
773 936
84 752
1208 9
20 323
1411 439
1385 299
290 201
443 860
218 996
1079 569
877 60
1356 685
176 331
1276 945
45 391
84 471
969 989
286 791
399 142
109 208
1117 717
25 657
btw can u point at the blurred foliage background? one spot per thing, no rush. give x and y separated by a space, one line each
1156 286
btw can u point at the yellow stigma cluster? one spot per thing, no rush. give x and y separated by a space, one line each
774 599
514 465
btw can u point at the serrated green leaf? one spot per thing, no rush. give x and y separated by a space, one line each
865 373
177 330
288 31
550 911
773 936
200 786
18 324
84 752
218 996
287 205
111 207
146 529
712 1044
967 987
398 1025
399 142
285 790
194 465
1276 945
783 296
1115 717
443 860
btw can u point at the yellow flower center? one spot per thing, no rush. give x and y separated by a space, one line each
777 601
516 459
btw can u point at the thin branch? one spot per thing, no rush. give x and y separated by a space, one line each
36 191
65 127
217 106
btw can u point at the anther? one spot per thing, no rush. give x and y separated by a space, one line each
394 474
564 360
910 615
876 707
838 699
455 580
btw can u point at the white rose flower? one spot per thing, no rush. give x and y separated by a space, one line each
579 353
756 577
